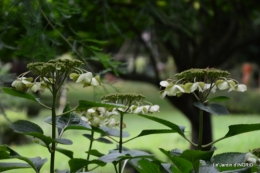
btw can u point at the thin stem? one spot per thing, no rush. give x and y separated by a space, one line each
121 140
209 144
53 146
90 147
200 129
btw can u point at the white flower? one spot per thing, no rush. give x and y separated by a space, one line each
240 88
154 108
38 86
22 84
85 78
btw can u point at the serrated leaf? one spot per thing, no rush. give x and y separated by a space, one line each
77 164
215 109
152 132
241 128
20 94
219 99
10 166
174 127
67 153
85 104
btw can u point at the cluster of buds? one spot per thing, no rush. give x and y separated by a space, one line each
54 72
129 103
201 80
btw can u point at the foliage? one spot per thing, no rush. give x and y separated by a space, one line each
98 117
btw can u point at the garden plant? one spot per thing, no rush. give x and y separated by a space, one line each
107 119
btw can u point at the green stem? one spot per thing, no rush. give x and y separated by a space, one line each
121 140
200 130
53 145
90 147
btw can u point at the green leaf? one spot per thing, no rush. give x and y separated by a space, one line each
77 164
241 128
148 167
174 127
179 165
69 121
95 153
215 109
111 132
207 169
195 155
20 94
85 104
104 140
32 129
63 141
67 153
219 99
35 163
229 161
111 157
152 132
23 126
10 166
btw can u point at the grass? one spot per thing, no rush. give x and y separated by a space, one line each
241 143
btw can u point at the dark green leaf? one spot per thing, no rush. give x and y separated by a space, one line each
69 121
90 137
85 104
32 129
148 167
62 171
63 141
174 127
35 163
16 93
152 132
215 109
241 128
67 153
194 155
179 165
23 126
219 99
111 157
95 153
11 166
104 140
113 132
77 164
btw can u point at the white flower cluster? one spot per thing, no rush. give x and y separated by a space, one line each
24 83
86 78
174 89
105 116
